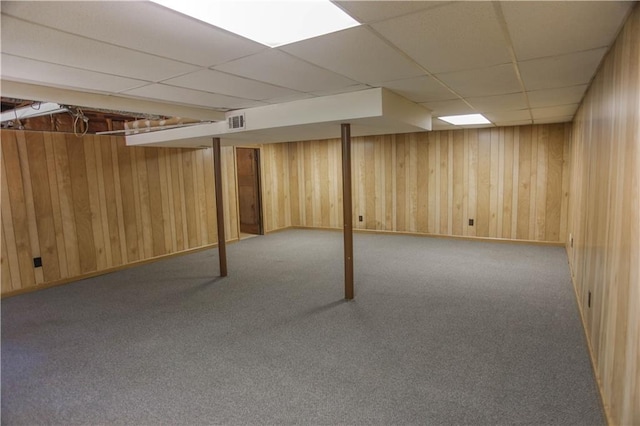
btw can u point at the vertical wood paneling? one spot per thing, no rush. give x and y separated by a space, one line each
483 216
82 204
458 190
43 207
472 183
29 204
111 201
604 221
435 182
277 205
90 204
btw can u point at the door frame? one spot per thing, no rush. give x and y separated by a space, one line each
257 149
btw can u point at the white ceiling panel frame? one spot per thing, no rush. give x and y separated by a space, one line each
542 29
281 69
450 107
356 53
420 89
554 111
36 42
346 89
561 71
373 11
454 37
514 123
113 102
509 116
297 97
555 119
231 85
557 96
135 25
184 96
438 124
21 69
511 101
496 80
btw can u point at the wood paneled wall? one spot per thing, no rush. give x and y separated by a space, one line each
91 204
604 220
512 181
275 180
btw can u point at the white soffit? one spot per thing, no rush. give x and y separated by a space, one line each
370 112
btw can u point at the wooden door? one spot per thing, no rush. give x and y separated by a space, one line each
249 190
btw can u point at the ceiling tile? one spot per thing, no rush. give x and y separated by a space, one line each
32 41
139 25
346 89
457 36
281 69
512 101
550 28
496 80
513 123
549 120
508 116
231 85
298 96
180 95
450 107
356 53
437 124
558 96
419 89
373 11
561 71
27 70
554 111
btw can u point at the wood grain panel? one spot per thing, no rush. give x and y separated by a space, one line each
604 222
91 204
435 182
275 165
42 205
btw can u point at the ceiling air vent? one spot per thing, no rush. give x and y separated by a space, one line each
236 122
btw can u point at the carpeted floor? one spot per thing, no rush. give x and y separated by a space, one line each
441 332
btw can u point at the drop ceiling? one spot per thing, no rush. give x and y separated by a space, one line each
517 62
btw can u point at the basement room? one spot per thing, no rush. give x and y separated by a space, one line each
320 212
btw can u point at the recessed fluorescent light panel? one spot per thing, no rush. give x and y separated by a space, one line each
272 23
465 120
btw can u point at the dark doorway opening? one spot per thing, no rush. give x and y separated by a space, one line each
249 194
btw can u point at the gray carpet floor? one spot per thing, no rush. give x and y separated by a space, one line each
441 332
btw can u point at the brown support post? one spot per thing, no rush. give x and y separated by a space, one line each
217 170
347 212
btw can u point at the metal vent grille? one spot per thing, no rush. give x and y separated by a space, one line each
236 122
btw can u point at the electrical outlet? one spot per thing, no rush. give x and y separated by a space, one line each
470 222
37 262
360 219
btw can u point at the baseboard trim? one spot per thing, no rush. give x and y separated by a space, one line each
420 234
69 280
594 367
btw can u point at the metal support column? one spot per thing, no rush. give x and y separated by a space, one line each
222 248
347 211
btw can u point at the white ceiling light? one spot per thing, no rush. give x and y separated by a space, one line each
272 23
35 110
464 120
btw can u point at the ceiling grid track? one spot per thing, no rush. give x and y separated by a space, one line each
514 60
